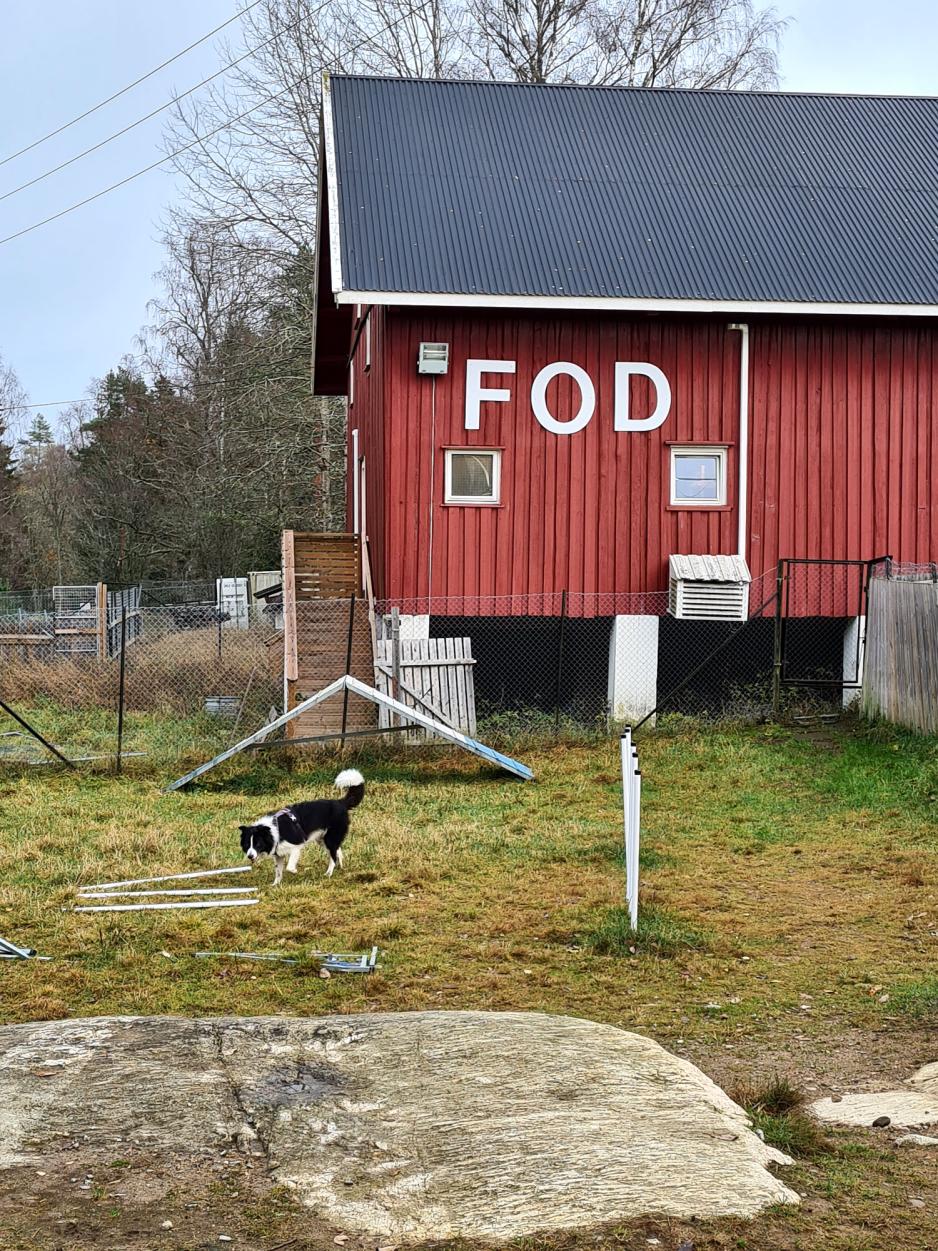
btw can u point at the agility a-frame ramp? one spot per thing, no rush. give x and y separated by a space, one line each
355 687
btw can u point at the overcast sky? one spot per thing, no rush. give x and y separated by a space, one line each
74 294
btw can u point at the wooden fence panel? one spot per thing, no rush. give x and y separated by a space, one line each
900 677
435 678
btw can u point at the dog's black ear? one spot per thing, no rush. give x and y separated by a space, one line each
244 828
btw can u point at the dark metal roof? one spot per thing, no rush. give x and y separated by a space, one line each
506 189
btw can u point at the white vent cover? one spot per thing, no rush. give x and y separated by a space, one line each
433 358
708 588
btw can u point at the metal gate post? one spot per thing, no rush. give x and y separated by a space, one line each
557 691
777 658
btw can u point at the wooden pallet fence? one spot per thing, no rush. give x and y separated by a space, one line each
432 675
900 674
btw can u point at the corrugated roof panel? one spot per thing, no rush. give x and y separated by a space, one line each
525 190
709 568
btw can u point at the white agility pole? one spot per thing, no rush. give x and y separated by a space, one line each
153 907
625 749
631 819
169 877
636 840
193 890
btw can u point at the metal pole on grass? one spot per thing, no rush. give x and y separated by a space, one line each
348 664
120 690
35 733
563 621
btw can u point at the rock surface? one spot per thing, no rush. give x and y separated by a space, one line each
916 1103
916 1140
401 1126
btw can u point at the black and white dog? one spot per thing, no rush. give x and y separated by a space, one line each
285 833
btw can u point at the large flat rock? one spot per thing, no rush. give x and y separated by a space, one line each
909 1106
405 1126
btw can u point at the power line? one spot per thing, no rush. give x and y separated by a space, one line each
180 386
123 91
139 122
17 234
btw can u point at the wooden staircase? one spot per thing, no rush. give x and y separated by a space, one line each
322 598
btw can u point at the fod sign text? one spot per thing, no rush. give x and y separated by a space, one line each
478 392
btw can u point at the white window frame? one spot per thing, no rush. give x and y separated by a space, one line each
718 450
483 500
368 340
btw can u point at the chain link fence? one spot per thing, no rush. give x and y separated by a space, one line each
563 664
197 677
192 680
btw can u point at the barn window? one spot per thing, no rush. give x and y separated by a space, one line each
472 476
698 476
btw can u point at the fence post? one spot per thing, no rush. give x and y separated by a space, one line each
563 622
101 621
396 658
777 655
348 664
120 690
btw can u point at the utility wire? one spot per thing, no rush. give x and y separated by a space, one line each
17 234
176 386
123 91
139 122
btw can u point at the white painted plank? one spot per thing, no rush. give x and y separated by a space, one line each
326 693
156 907
194 890
454 736
169 877
410 715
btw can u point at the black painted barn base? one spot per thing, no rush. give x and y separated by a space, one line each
536 667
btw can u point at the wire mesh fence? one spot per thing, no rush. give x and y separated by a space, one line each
191 682
197 677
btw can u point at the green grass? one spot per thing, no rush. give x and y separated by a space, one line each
659 933
776 1112
482 891
916 998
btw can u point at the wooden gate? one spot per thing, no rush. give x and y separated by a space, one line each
432 675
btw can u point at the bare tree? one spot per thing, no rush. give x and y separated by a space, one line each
13 400
255 179
232 329
12 414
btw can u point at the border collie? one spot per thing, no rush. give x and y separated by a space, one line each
285 833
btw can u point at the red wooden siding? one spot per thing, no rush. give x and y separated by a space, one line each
842 450
366 414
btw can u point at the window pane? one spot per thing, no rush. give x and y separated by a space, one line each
471 475
696 477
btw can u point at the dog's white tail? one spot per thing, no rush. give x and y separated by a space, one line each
352 782
348 778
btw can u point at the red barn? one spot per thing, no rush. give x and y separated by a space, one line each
583 331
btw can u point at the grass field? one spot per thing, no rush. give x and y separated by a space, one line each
789 922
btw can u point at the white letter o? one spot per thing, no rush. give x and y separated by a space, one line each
539 398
